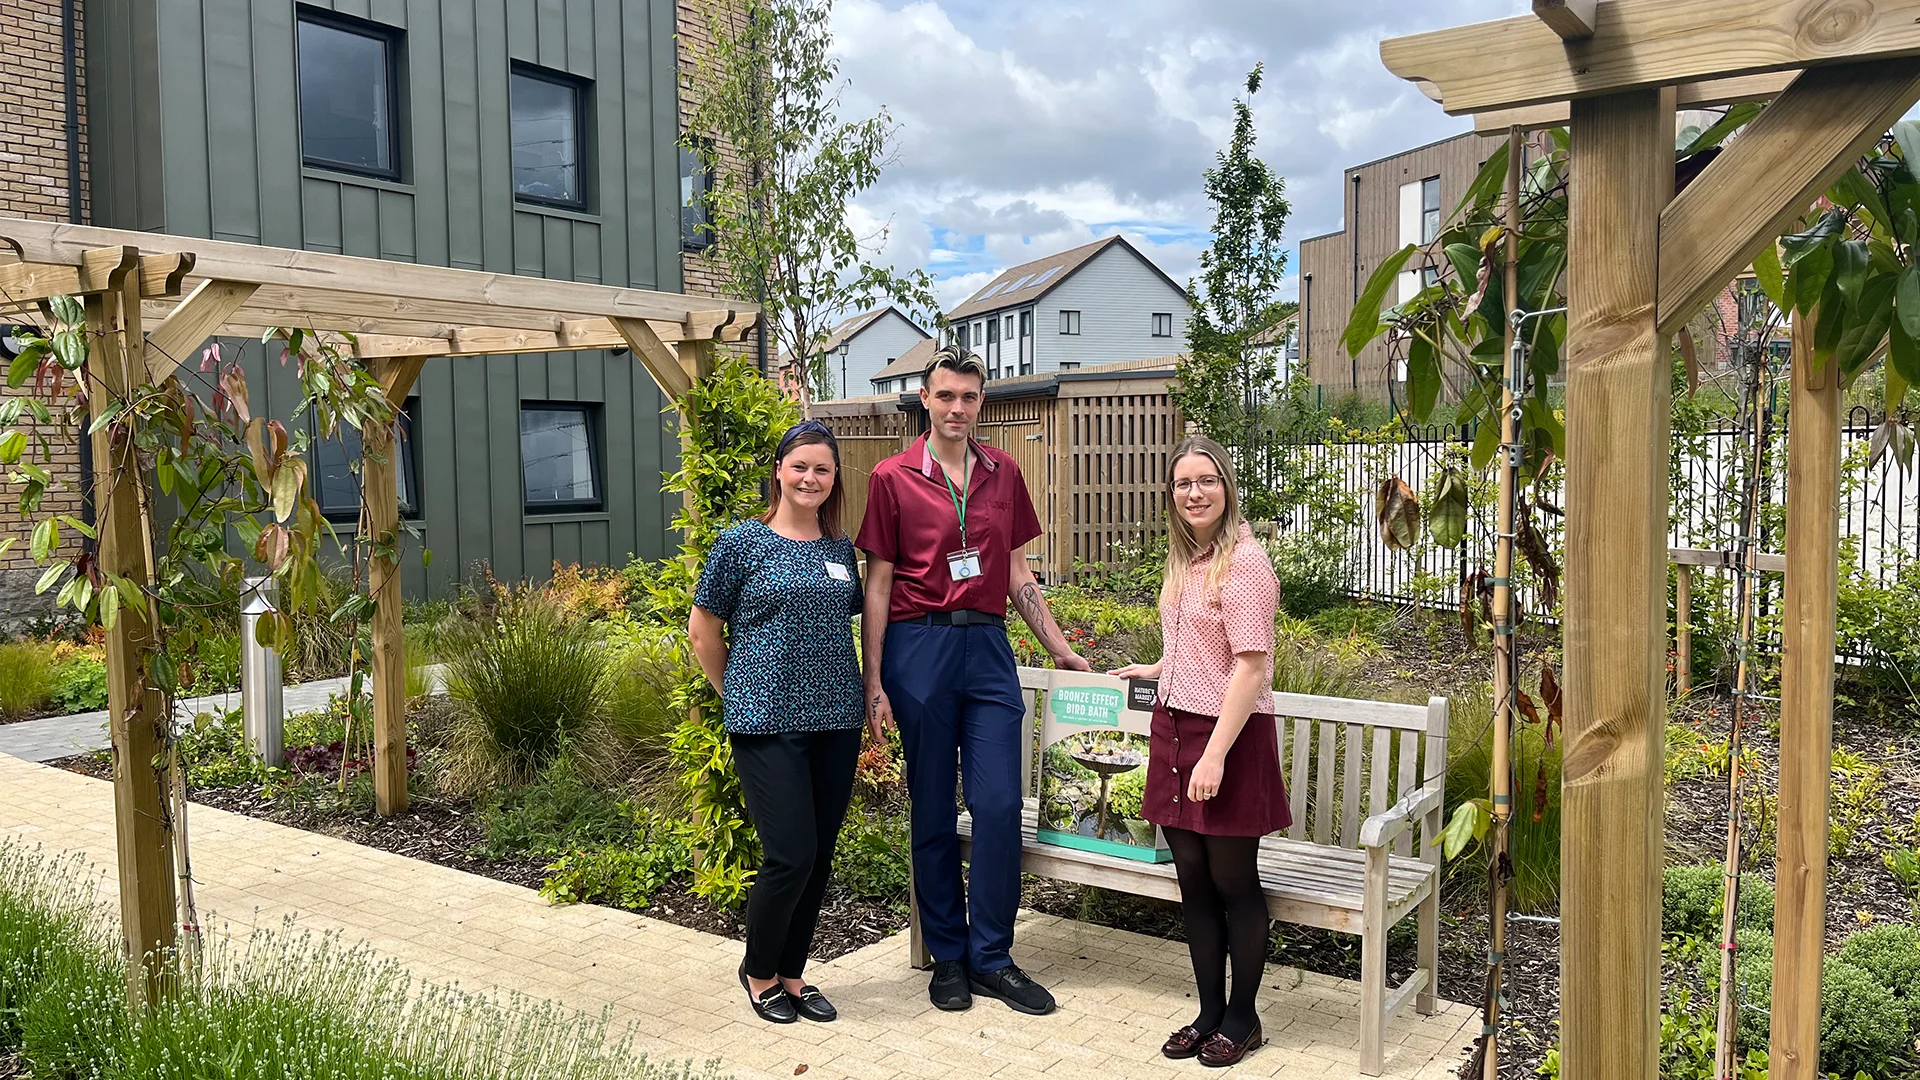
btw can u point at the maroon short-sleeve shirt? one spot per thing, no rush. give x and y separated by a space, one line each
911 522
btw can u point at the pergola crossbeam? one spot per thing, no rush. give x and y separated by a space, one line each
1690 95
1647 43
1763 181
1573 20
24 285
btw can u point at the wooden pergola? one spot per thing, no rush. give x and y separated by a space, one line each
1641 261
153 300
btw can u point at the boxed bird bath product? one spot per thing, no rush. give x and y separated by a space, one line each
1093 768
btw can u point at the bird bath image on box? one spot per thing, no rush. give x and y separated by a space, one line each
1106 765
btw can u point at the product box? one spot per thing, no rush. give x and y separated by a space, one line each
1093 766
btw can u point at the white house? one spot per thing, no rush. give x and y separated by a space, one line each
1101 303
858 348
907 373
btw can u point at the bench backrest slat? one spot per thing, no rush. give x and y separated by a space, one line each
1322 795
1297 782
1351 736
1409 780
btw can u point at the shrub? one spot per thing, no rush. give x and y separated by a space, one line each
1859 797
79 685
1752 980
590 592
1891 954
1126 793
522 684
215 668
1534 844
216 754
640 713
1692 898
323 645
26 678
625 875
872 859
1313 571
1862 1027
553 815
1304 668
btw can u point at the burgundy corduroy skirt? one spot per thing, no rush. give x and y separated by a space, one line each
1253 796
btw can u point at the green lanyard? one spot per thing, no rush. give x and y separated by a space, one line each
959 499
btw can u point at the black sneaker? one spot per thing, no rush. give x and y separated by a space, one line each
1014 987
949 987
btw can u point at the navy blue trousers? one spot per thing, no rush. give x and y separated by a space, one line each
956 697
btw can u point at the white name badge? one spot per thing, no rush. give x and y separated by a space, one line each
839 572
964 564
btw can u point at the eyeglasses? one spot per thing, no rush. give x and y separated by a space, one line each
1208 484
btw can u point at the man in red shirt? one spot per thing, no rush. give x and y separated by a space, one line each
944 527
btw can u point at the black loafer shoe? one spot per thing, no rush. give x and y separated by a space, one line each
948 990
772 1004
813 1005
1012 986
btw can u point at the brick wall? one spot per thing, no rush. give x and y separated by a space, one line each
704 274
33 163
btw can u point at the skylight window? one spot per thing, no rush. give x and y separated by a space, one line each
1020 284
1046 277
988 295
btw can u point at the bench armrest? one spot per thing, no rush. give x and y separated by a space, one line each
1383 828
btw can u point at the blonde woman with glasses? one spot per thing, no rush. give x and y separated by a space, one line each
1213 776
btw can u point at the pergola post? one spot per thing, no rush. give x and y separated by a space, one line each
136 708
1806 708
1618 400
379 475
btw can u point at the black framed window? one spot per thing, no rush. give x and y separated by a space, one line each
962 334
696 185
1026 323
548 126
1162 324
349 94
1069 322
1429 209
560 456
336 483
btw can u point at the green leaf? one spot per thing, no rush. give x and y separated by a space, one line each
107 415
1469 822
71 348
1772 276
1488 182
109 606
79 526
12 445
1907 135
1486 440
1850 269
426 558
1736 118
1466 263
1423 376
45 535
1863 338
1903 357
1854 189
49 576
1809 278
286 491
68 310
23 367
1799 245
1906 301
1364 325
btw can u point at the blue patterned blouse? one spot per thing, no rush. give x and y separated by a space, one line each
789 607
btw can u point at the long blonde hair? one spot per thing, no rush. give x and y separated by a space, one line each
1183 547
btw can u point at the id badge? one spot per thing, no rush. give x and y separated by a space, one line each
839 572
964 564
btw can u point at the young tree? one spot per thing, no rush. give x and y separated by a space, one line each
1223 383
767 90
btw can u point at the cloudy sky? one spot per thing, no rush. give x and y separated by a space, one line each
1030 126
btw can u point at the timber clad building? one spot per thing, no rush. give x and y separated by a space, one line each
1390 203
536 139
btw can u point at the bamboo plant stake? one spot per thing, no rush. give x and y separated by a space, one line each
1725 1063
1500 773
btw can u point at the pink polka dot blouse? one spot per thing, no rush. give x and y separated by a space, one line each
1202 633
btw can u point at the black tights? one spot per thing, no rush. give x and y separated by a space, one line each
1226 914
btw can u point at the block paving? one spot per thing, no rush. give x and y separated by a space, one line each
1120 993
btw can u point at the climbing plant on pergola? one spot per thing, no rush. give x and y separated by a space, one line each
1641 262
152 300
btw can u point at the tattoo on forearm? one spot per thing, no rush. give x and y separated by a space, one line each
1033 608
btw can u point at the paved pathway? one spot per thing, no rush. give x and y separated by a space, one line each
1120 993
64 736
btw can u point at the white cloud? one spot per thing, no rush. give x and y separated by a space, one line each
1025 128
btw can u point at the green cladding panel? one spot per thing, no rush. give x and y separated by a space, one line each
194 129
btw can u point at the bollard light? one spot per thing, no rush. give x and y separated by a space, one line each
262 713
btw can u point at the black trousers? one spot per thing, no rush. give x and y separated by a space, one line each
797 786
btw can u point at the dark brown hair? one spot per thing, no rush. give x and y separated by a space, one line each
956 359
814 434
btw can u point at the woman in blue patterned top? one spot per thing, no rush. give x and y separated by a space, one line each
785 589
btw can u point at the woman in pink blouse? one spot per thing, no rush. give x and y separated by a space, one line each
1213 778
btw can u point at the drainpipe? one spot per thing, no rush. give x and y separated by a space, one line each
1306 322
1354 262
70 39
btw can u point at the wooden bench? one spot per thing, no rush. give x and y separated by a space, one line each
1348 863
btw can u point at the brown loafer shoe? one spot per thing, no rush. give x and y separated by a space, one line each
1218 1051
1184 1043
